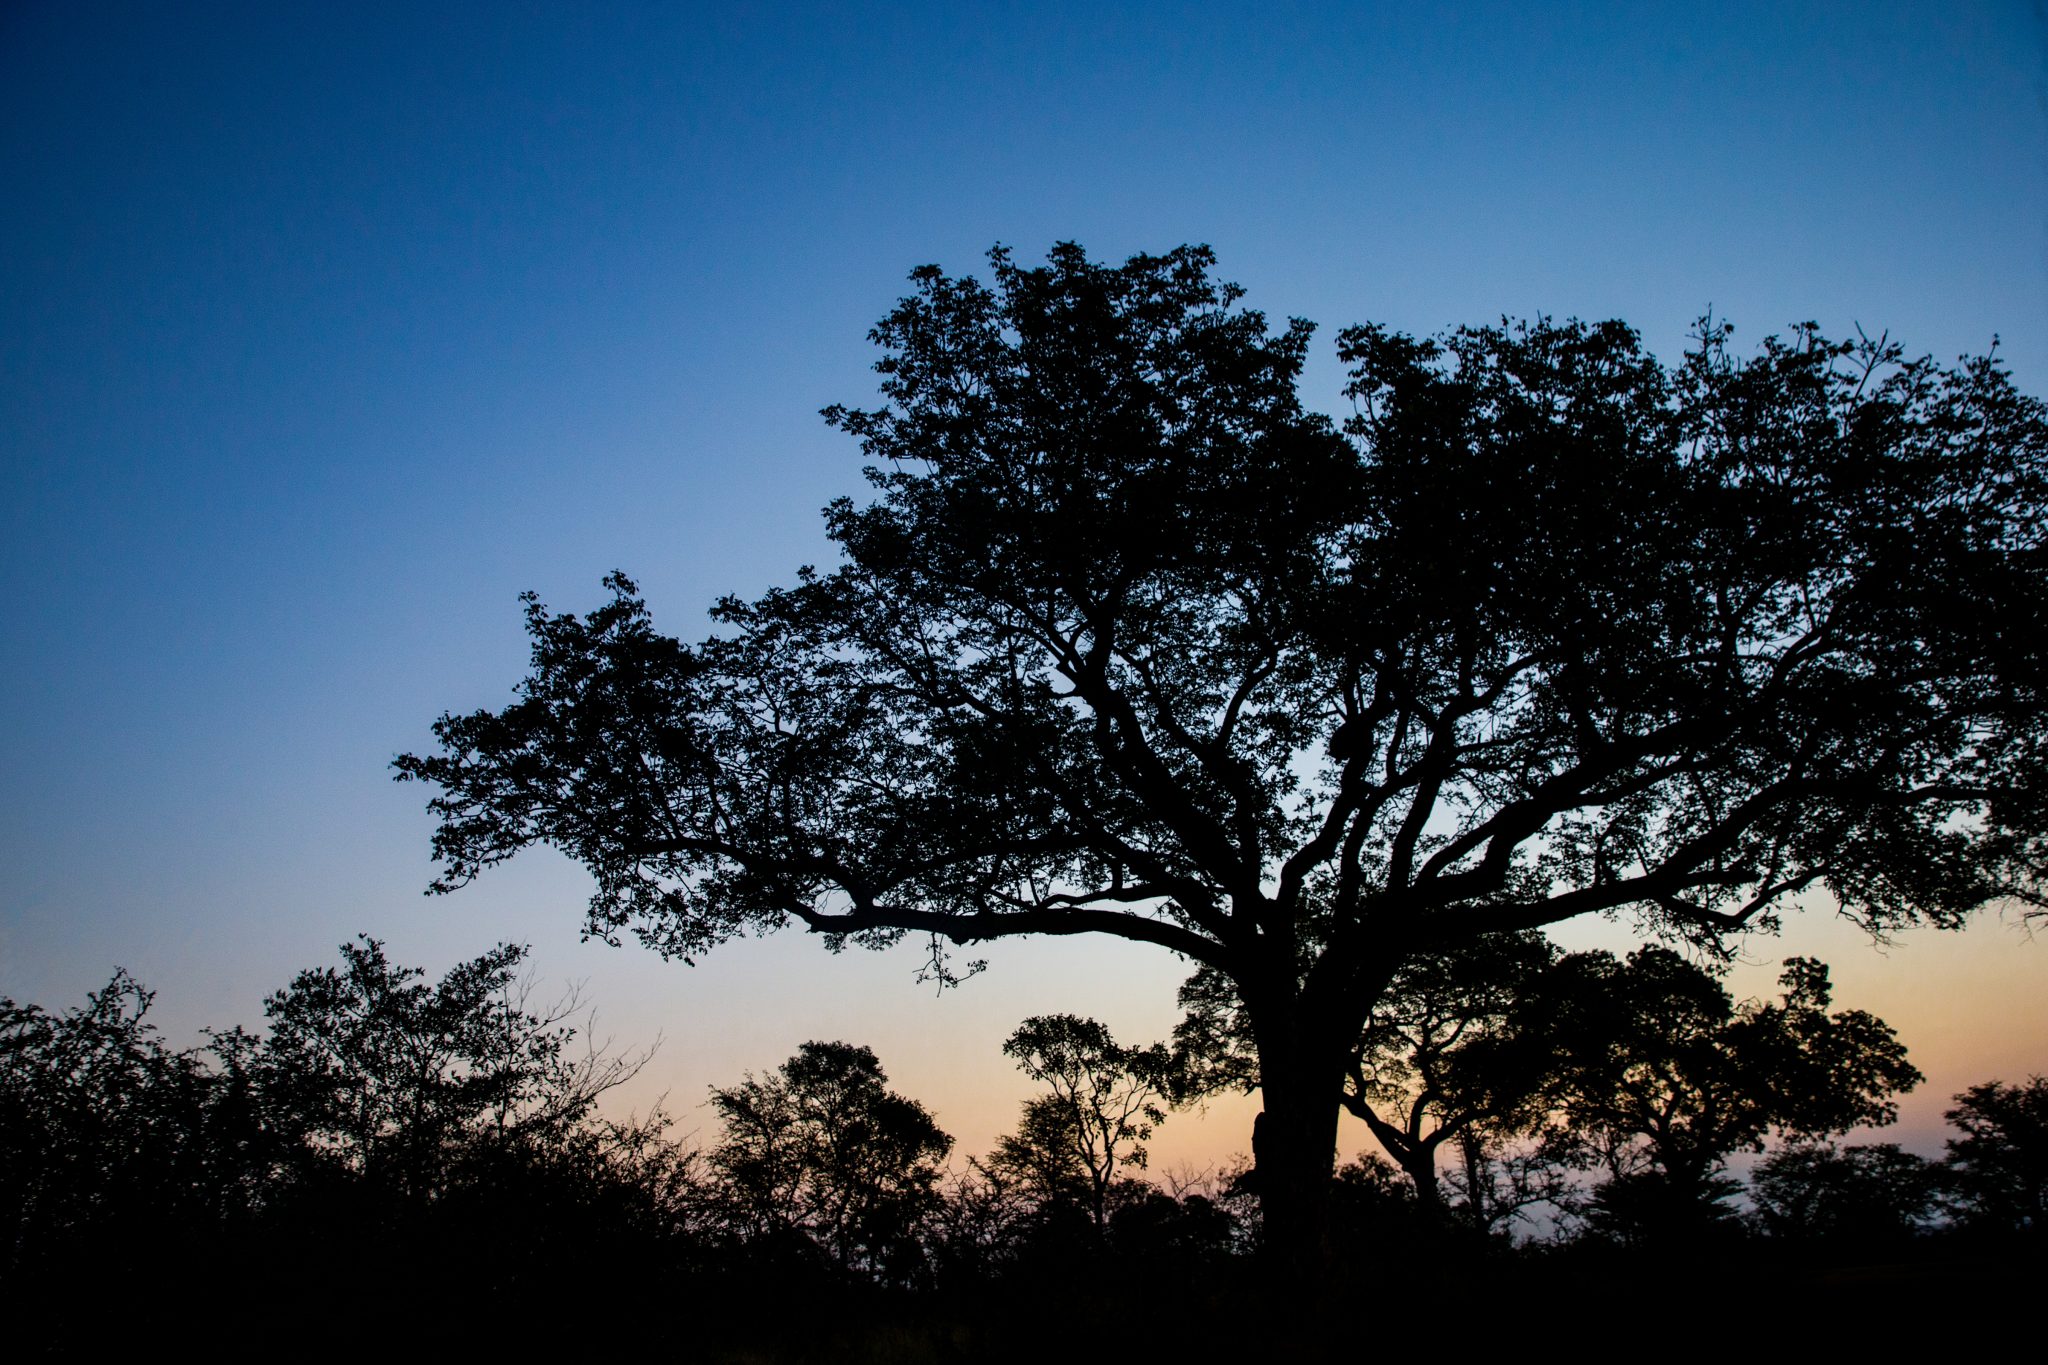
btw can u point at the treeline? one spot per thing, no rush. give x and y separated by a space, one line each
434 1151
384 1141
1567 1098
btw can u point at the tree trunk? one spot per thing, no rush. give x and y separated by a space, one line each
1294 1154
1478 1181
1416 1156
1420 1166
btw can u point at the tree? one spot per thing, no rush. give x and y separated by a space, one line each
1131 643
107 1149
1105 1101
388 1138
401 1083
1864 1195
1998 1167
1661 1075
822 1153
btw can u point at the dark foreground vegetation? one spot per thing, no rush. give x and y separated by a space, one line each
395 1165
1129 642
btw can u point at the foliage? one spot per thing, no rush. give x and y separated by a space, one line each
1167 1236
1518 1064
1449 1052
821 1154
385 1139
1662 1075
1449 1055
1650 1206
1999 1164
161 1175
399 1082
104 1137
1865 1196
1496 1180
985 1216
1373 1199
1105 1099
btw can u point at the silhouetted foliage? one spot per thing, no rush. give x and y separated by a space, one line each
1104 1101
1998 1167
386 1140
107 1141
984 1218
1499 1181
1662 1075
1865 1197
451 1124
1130 643
406 1085
427 1151
820 1158
1376 1203
1169 1235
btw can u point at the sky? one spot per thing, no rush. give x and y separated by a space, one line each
325 331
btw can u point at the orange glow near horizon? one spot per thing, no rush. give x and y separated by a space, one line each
1970 1005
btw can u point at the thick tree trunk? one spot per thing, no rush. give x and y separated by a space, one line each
1294 1154
1303 1033
1420 1167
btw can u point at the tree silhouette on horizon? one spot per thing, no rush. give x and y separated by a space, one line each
1131 643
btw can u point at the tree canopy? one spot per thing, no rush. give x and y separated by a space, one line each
1131 642
400 1081
1104 1099
388 1139
1864 1196
1660 1075
821 1152
2000 1161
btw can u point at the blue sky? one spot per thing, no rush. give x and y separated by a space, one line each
326 332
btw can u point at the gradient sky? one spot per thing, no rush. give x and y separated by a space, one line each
327 330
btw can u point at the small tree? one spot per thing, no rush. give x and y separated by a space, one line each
400 1083
1661 1076
1105 1101
1998 1167
822 1153
107 1143
1862 1196
986 1214
389 1139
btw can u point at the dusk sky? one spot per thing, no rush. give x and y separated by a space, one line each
325 331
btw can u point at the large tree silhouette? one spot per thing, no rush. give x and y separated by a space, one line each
1131 643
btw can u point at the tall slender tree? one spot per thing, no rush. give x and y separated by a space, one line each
1103 1100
